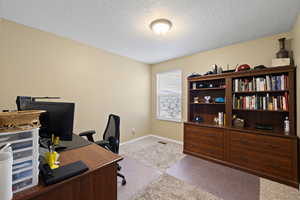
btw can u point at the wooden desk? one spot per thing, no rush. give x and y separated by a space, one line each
99 182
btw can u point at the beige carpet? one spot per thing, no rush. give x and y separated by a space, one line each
270 190
167 187
152 153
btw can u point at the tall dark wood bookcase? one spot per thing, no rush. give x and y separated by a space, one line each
272 153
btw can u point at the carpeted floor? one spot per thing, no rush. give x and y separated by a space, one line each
154 154
167 187
157 170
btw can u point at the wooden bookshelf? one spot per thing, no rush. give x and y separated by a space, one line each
246 148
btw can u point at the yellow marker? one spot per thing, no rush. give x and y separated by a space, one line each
51 158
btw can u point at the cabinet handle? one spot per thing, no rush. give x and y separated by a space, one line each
244 159
273 165
272 146
244 142
210 135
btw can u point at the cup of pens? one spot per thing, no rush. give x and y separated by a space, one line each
6 162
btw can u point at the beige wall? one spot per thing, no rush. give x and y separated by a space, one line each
256 52
296 50
37 63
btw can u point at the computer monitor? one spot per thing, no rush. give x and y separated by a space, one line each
58 119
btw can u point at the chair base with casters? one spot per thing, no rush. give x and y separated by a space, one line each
121 175
110 139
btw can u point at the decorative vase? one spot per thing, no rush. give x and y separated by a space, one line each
282 53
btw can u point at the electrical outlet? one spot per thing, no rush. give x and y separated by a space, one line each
133 131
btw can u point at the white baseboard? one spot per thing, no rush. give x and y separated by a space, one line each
134 140
150 135
167 139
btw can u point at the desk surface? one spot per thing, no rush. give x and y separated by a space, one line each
92 155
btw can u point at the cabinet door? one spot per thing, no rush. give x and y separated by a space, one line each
276 146
265 154
204 141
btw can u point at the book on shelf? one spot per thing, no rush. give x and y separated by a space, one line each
261 102
257 84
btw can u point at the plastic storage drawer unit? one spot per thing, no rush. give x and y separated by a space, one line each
25 148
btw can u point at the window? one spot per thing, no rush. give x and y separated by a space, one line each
169 95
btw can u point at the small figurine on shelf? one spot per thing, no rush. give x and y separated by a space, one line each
220 70
216 120
198 119
238 122
207 99
202 85
196 99
194 86
215 69
211 85
220 100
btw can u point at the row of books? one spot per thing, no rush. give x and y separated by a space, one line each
261 102
267 83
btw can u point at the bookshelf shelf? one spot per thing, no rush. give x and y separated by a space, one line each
205 125
207 103
271 100
206 89
259 110
261 92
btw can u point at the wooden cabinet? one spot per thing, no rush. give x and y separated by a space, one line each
272 156
263 155
263 99
204 141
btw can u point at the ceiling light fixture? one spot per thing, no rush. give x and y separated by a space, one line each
161 26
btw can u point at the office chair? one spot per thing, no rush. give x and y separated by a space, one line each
111 139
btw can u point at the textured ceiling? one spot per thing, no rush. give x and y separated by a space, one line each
122 26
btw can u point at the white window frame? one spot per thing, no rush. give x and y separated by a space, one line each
157 97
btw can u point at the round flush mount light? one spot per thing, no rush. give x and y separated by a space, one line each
161 26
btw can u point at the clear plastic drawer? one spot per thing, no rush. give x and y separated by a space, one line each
22 175
4 138
22 165
22 184
22 154
22 145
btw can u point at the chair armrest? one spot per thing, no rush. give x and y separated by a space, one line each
89 134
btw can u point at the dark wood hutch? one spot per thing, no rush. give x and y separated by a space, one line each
272 153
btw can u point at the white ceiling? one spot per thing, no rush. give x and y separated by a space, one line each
122 26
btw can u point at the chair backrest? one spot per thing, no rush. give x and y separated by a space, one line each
112 132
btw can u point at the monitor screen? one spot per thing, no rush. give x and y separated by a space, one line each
58 119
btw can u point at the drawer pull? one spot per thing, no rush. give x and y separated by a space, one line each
243 159
211 136
244 142
272 146
274 166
